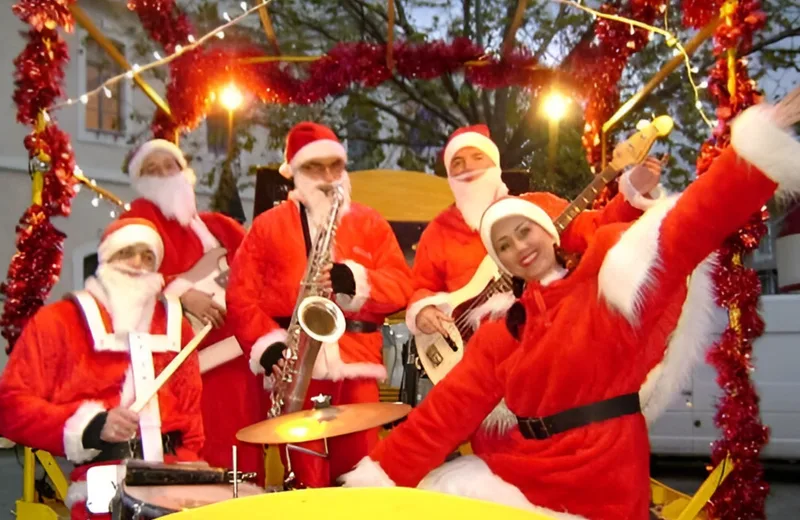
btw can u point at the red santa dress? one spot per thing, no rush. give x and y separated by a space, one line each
264 285
449 253
68 366
232 397
614 311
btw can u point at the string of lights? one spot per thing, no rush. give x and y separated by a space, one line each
193 43
671 40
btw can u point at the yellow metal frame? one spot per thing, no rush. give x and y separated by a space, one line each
28 507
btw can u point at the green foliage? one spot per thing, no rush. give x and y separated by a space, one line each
406 122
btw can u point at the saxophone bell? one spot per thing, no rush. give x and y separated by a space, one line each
321 319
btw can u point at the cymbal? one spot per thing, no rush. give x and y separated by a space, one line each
311 425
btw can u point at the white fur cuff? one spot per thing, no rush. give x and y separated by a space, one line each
74 428
354 303
367 473
636 199
437 300
178 287
759 141
260 346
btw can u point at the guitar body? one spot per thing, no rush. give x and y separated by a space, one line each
209 275
437 354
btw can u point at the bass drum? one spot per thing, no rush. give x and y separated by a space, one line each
146 502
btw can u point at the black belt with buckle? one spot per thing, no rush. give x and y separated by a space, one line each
361 327
540 428
133 448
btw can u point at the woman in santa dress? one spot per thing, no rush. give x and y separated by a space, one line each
580 448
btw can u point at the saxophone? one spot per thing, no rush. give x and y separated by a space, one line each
316 319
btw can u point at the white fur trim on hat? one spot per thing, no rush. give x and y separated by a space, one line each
135 164
127 236
314 150
506 208
474 139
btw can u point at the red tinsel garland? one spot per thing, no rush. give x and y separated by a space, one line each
36 266
744 492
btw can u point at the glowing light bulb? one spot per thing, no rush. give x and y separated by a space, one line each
555 105
230 97
220 35
84 99
95 202
107 92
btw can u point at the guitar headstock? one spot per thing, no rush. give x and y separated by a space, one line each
635 149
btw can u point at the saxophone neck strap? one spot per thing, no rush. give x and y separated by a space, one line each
306 229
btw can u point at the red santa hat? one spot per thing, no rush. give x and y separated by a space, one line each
133 166
476 136
126 232
541 208
307 141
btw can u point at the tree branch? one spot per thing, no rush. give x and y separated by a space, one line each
546 43
450 87
788 33
418 98
389 140
400 117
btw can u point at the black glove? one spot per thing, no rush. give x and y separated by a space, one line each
515 320
517 286
91 434
343 280
272 355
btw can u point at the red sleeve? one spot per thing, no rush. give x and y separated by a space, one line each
450 413
384 286
427 277
656 255
580 231
245 300
190 391
27 416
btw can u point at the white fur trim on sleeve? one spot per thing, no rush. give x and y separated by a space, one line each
354 303
629 264
500 420
700 324
367 473
759 141
260 346
470 477
636 199
74 428
329 366
178 287
495 307
437 300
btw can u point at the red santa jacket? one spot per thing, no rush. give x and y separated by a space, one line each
183 248
449 251
599 471
56 382
265 282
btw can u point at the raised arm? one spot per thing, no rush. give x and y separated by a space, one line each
448 415
661 250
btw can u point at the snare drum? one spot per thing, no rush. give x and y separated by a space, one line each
146 502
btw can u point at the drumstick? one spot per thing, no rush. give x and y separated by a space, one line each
170 369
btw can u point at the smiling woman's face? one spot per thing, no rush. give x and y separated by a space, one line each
524 247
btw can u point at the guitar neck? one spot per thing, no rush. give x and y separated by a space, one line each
586 197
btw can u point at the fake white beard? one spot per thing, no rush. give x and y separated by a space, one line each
472 198
129 299
317 203
173 195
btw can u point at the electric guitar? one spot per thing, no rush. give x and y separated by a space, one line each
210 275
437 354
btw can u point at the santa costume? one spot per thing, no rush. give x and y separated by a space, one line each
231 395
616 308
370 281
450 249
98 349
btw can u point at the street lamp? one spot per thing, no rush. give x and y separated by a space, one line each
555 107
230 97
